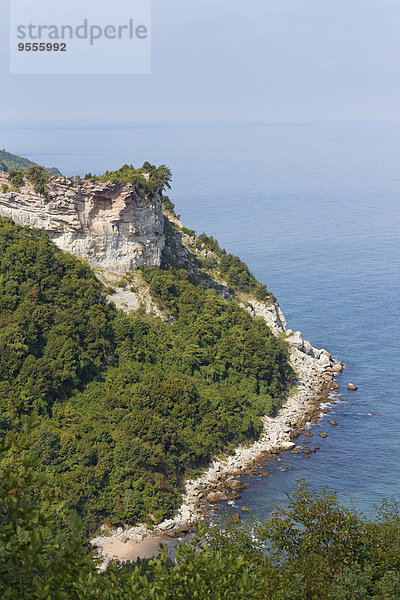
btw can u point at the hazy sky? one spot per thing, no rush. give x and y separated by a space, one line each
214 59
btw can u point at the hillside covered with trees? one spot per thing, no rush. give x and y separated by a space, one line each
128 406
12 162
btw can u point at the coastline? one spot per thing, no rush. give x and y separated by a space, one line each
315 373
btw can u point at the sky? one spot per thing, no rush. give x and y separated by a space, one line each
229 60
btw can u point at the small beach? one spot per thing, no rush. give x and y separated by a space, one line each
131 550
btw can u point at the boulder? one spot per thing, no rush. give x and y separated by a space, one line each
287 445
217 497
295 339
324 361
308 349
351 386
167 525
235 484
233 496
185 511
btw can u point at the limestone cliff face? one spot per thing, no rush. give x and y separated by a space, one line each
108 224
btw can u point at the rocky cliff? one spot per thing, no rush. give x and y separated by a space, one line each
106 223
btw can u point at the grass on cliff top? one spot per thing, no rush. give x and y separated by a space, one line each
149 181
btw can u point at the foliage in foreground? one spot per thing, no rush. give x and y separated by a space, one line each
314 549
127 405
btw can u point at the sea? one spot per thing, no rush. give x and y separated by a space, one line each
314 210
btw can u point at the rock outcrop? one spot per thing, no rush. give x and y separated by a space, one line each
106 223
271 313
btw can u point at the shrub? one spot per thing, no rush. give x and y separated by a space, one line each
17 179
39 177
169 206
189 232
149 181
36 174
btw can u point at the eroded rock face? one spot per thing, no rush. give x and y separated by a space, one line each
271 313
107 224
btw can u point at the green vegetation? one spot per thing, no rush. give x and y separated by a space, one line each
315 549
35 174
149 181
34 562
39 177
12 162
189 232
127 406
17 179
169 206
231 269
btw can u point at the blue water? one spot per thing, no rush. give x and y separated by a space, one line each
314 210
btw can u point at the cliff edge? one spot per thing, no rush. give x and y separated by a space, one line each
106 223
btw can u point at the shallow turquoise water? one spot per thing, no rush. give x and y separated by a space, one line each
314 210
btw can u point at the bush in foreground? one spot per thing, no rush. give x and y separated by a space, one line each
314 549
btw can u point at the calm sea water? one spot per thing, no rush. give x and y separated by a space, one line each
314 210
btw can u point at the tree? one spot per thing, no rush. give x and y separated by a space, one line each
35 564
17 179
39 177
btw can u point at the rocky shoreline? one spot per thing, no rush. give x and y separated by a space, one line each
315 370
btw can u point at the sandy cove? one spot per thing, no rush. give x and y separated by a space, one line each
315 377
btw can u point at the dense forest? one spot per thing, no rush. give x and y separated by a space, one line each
128 406
12 162
314 549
